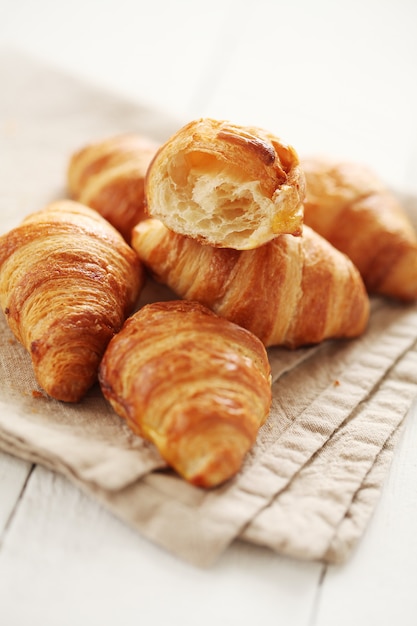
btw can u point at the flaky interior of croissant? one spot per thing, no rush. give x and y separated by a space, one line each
212 195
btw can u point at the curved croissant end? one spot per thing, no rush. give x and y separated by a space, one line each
68 280
348 205
196 385
109 175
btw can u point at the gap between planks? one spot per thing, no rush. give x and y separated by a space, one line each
11 515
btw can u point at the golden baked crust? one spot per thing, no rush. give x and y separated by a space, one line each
68 280
109 175
348 205
226 185
292 291
196 385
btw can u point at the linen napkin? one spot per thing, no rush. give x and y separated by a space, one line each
310 484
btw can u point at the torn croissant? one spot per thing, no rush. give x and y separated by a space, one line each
68 280
348 205
109 175
292 291
226 185
196 385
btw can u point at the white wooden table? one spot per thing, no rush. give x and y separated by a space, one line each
331 77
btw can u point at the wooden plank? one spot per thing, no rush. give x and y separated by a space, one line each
377 587
13 475
66 560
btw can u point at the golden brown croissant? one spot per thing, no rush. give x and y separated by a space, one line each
108 176
68 280
226 185
351 208
196 385
292 291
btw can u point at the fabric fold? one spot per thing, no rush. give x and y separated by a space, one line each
326 492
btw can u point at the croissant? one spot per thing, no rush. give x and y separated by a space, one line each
196 385
108 176
226 185
68 280
348 205
292 291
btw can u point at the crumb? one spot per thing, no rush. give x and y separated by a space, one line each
336 383
37 394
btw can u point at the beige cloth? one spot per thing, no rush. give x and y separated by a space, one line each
308 487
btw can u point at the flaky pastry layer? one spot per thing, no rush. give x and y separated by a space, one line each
292 291
348 205
68 280
109 175
196 385
226 185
